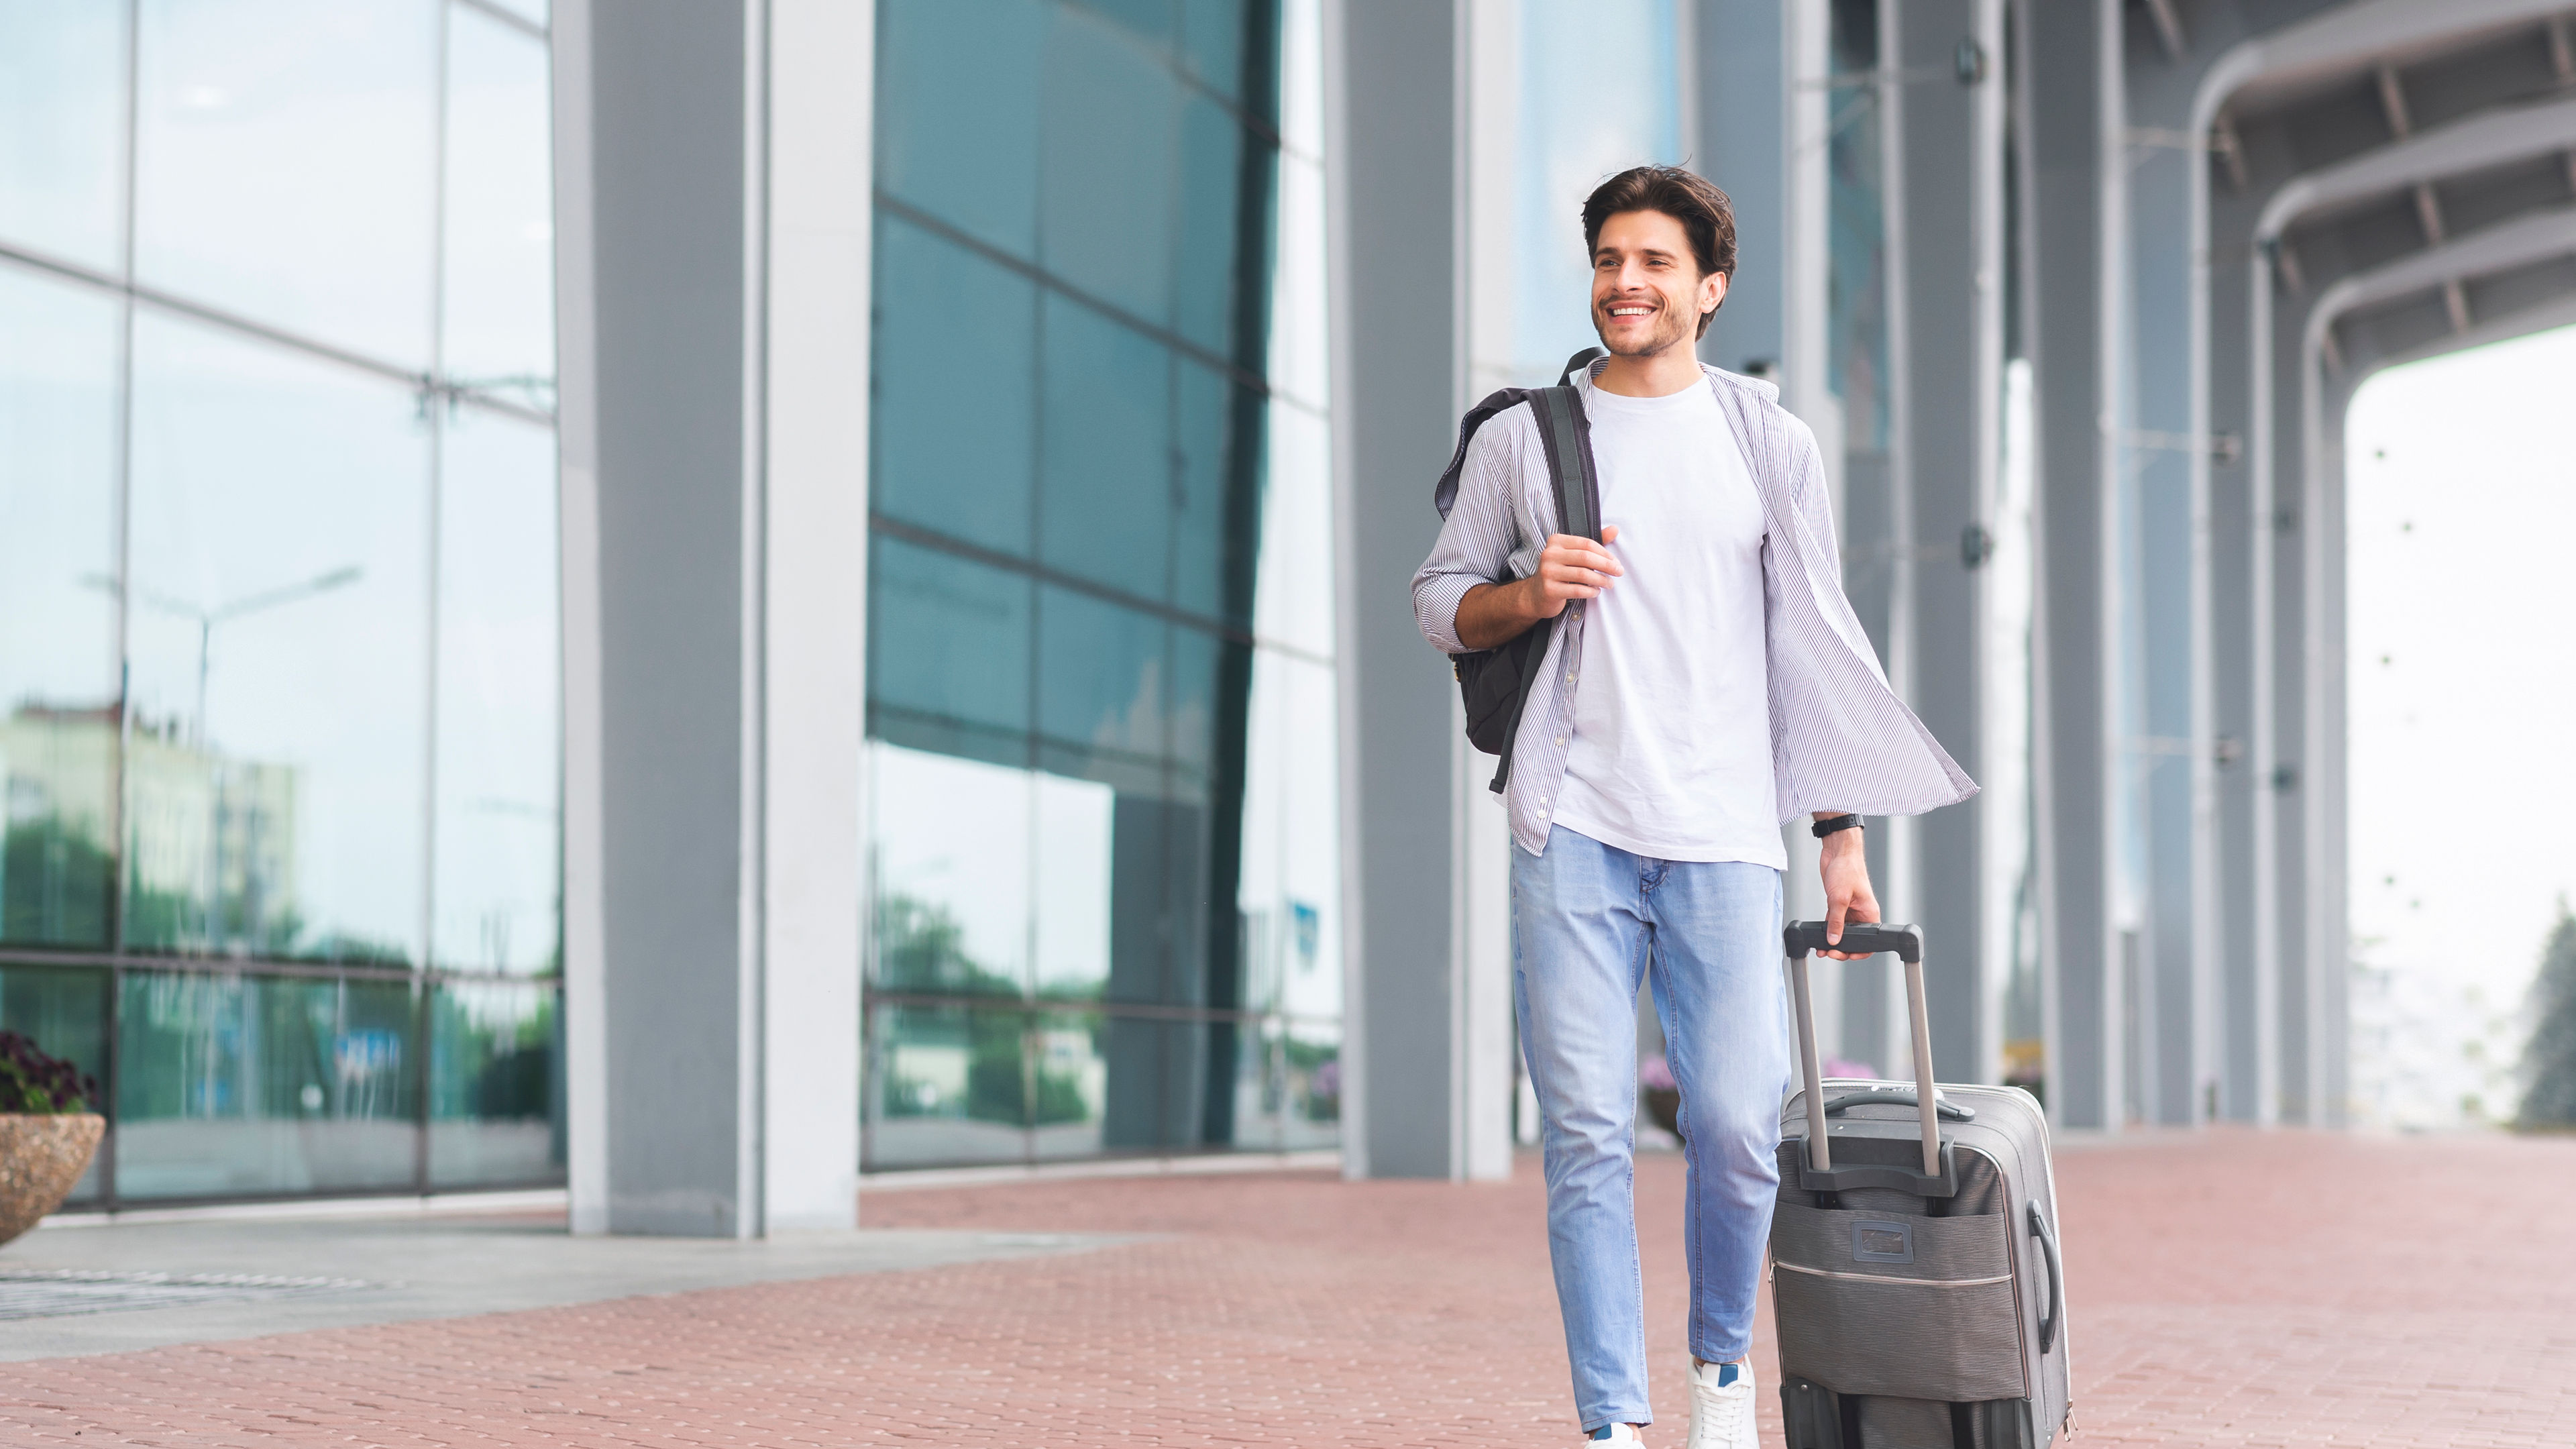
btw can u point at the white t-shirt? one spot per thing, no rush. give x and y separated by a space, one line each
1671 756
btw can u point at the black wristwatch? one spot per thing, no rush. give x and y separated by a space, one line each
1826 827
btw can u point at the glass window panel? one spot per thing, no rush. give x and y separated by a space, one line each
949 866
946 1084
498 332
1109 457
1214 500
955 435
1070 1078
58 670
62 128
1155 1090
1101 674
1292 598
495 1084
1147 20
63 1010
1311 1062
498 880
1252 1123
1107 146
1212 42
231 1085
948 651
1158 892
960 141
1297 347
1208 677
1289 889
1071 850
285 169
278 639
1208 261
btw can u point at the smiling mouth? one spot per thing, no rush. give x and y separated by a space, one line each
1630 309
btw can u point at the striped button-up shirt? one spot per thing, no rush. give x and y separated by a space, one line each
1840 738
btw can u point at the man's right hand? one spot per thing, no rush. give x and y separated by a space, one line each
1570 567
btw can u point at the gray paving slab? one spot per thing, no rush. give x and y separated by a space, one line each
415 1267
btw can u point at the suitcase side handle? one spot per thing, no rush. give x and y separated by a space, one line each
2056 1285
1798 939
1949 1111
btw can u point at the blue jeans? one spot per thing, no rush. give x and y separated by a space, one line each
1589 921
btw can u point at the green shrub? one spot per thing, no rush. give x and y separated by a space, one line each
31 1081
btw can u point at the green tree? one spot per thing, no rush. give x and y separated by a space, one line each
2549 1060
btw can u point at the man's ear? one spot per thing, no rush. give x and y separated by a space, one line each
1720 300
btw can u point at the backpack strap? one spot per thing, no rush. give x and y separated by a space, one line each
1566 437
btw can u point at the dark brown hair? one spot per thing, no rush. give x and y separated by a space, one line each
1707 217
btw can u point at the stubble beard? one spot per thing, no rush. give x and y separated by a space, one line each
1670 331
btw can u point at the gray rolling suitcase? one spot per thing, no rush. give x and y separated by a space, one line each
1914 1260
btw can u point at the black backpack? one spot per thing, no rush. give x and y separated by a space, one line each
1495 683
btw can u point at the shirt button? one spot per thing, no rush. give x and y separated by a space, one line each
1560 739
1569 679
1542 799
1542 815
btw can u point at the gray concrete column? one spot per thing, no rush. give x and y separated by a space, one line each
2073 159
1740 71
1394 165
1948 191
714 376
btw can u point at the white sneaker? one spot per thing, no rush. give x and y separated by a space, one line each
1621 1434
1722 1418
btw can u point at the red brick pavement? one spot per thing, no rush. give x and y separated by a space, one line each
2227 1289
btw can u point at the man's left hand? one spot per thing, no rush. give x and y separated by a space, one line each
1847 893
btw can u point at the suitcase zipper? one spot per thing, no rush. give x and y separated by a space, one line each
1890 1278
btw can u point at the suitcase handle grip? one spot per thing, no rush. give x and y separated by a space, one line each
2056 1286
1949 1111
1860 938
1798 939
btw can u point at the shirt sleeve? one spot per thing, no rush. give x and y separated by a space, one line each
1476 543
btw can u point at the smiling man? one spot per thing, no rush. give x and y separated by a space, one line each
1708 684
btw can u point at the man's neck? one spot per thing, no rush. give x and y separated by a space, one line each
1653 374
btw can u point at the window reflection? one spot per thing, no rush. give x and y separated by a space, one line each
278 640
62 126
1291 886
1107 688
499 778
1072 839
960 141
1069 1077
499 301
494 1083
1109 455
1106 150
287 170
233 1084
954 459
63 1010
57 611
949 871
947 1084
948 653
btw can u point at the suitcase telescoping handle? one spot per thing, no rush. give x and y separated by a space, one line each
1799 939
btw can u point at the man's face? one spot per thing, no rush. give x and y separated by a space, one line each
1647 291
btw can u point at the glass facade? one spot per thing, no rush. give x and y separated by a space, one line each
278 618
1102 833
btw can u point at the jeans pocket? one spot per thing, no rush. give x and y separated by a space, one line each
1897 1305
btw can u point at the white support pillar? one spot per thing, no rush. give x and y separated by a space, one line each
715 529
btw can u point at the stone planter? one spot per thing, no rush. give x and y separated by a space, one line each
42 1155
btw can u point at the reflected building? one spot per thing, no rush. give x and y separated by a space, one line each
278 592
1099 707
